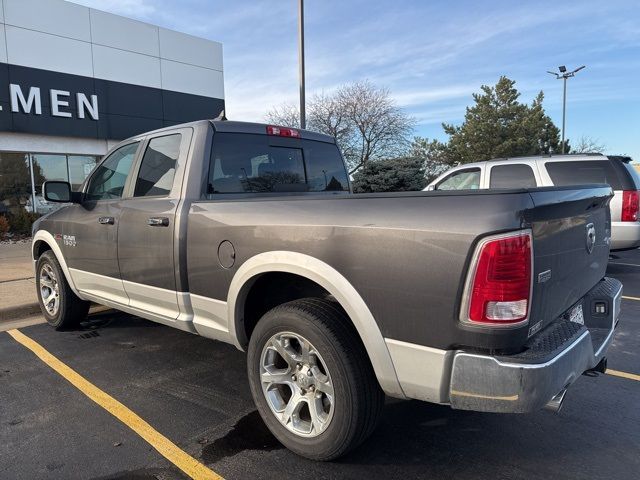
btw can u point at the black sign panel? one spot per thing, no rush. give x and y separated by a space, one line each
118 110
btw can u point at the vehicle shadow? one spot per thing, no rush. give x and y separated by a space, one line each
448 443
112 319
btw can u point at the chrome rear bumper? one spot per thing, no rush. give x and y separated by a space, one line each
625 235
516 384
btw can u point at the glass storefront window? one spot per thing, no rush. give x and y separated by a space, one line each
46 167
79 168
53 167
15 182
20 192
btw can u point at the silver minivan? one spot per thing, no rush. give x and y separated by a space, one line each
560 170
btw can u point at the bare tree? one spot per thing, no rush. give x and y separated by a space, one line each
328 116
588 145
364 119
285 115
381 127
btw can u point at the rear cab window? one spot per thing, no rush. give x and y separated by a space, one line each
514 175
253 163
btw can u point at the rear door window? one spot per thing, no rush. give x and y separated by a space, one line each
518 175
158 166
581 173
249 163
468 179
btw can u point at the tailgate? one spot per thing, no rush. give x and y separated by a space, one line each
571 236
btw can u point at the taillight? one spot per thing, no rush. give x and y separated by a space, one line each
630 205
283 131
501 283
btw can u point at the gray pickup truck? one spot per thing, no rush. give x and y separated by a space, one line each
493 301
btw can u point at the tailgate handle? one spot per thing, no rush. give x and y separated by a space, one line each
105 220
158 222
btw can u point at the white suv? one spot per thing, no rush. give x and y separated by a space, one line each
560 170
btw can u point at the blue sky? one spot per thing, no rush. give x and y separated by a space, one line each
432 55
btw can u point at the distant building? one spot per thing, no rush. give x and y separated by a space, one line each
74 80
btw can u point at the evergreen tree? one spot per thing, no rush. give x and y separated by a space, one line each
433 154
498 126
390 175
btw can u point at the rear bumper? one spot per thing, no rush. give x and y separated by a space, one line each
625 235
523 383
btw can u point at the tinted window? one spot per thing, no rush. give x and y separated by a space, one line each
243 163
512 176
110 176
462 180
635 174
580 173
158 166
325 168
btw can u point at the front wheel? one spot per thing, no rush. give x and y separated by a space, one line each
311 379
60 306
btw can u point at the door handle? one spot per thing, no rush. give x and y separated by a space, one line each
158 222
105 220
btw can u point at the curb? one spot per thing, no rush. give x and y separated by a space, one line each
17 279
19 311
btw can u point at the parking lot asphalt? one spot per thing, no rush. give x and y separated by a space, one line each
194 392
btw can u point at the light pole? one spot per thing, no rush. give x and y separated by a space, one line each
303 121
564 75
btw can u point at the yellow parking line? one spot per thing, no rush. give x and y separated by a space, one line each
189 465
625 264
631 298
618 373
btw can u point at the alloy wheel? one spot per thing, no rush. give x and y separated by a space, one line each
49 289
297 384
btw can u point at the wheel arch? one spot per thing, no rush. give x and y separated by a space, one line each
43 241
331 281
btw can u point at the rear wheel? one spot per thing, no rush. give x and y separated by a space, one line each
60 306
311 379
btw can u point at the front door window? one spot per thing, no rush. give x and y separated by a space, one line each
462 180
109 178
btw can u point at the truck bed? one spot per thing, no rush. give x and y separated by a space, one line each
408 253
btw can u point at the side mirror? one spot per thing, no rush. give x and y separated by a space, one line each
431 188
57 191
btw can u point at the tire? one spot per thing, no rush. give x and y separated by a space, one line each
338 363
69 310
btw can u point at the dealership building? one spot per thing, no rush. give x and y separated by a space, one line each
75 80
